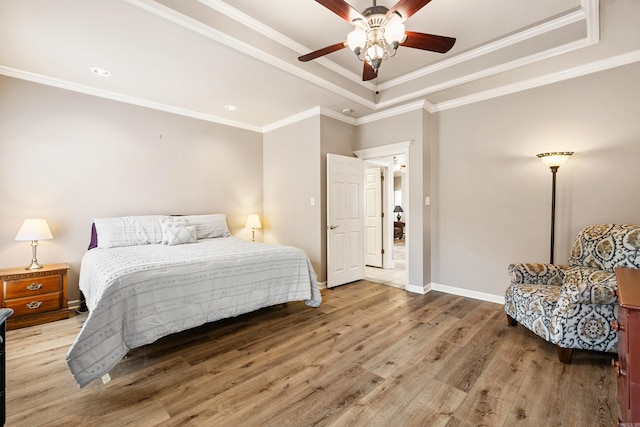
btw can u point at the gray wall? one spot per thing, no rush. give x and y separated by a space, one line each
291 178
70 157
492 196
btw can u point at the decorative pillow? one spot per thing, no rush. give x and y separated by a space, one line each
170 222
129 230
208 226
178 235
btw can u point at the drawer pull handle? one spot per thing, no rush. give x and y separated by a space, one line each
619 371
34 304
617 326
34 286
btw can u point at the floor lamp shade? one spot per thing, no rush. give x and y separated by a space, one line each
34 229
554 160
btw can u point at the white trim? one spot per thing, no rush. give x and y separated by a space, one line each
390 150
384 150
50 81
391 112
280 38
305 115
498 299
541 29
220 37
488 72
418 289
593 67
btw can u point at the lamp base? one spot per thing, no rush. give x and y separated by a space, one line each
34 265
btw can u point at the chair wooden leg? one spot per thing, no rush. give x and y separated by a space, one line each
511 321
565 354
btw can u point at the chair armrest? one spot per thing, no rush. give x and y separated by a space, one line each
537 274
586 285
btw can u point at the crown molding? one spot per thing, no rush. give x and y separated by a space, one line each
220 37
571 73
416 105
538 30
88 90
280 38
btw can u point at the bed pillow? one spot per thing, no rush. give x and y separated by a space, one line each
129 230
208 226
181 234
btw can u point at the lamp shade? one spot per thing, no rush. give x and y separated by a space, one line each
253 221
555 159
398 208
34 229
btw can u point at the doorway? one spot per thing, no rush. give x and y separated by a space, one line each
393 159
393 269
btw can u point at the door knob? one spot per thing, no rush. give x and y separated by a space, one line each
333 227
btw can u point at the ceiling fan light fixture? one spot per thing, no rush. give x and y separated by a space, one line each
357 39
374 52
378 32
394 34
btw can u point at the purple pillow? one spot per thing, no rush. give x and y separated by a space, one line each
94 237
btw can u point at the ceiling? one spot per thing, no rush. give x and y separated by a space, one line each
193 57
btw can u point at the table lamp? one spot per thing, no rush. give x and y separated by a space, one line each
398 209
253 222
34 229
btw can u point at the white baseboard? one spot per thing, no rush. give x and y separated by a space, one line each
418 289
73 305
498 299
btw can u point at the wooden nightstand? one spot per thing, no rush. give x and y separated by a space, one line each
35 296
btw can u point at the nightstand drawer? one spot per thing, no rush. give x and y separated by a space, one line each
31 286
35 304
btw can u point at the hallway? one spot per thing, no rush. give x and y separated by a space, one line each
392 277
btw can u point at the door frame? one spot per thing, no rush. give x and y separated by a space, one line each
385 152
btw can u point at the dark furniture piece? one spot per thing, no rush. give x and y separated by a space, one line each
398 230
36 296
4 314
628 328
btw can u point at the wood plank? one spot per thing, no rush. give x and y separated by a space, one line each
369 355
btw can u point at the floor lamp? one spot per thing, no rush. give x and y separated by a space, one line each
554 161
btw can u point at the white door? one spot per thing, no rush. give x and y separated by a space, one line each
345 220
373 216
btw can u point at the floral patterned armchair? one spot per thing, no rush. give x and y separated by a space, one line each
573 305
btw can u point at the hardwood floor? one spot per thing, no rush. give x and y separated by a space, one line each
370 355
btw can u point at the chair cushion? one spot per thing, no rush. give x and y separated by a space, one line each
532 306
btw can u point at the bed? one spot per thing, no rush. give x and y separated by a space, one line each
141 283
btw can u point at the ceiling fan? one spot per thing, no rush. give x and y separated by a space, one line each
379 31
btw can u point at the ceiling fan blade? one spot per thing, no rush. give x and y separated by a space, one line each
406 8
368 73
342 9
321 52
440 44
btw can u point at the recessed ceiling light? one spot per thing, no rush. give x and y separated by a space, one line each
100 71
231 107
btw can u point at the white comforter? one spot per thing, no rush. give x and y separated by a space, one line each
138 294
